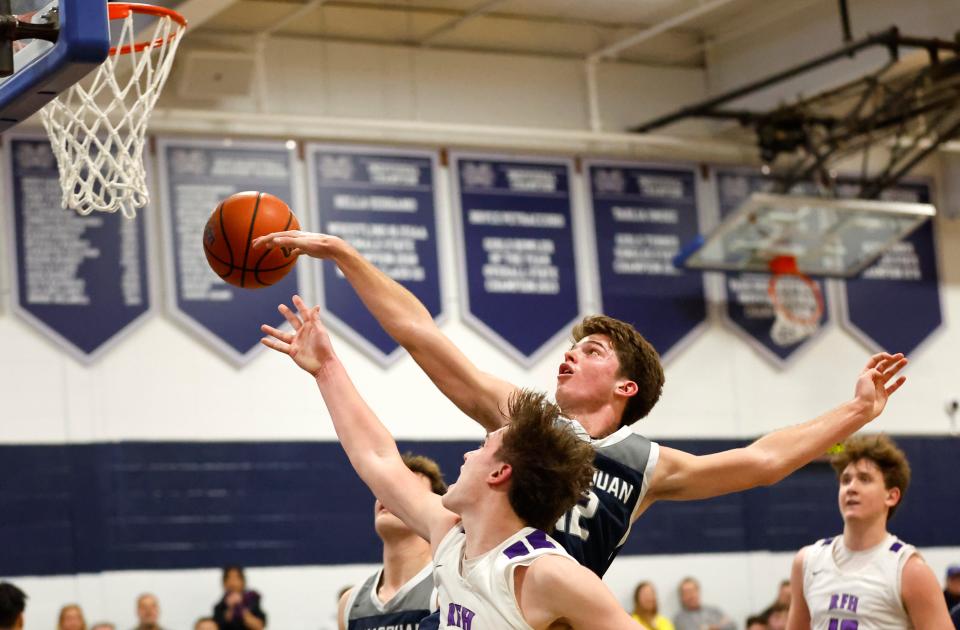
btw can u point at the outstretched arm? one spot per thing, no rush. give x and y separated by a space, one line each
557 589
682 476
370 447
922 596
478 394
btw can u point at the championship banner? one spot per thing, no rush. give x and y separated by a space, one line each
81 281
195 177
749 310
519 276
895 304
383 202
642 215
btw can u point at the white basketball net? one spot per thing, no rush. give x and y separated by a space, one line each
797 307
97 127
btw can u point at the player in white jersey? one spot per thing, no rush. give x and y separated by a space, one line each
610 378
400 594
866 579
494 566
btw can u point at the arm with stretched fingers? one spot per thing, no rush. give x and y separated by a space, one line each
479 394
369 446
682 476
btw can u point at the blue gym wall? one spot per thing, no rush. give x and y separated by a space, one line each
175 505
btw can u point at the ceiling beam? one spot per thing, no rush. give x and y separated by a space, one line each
477 10
612 50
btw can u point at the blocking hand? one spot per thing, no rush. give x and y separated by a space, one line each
310 243
309 344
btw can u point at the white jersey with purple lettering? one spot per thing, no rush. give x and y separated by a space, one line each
855 590
478 594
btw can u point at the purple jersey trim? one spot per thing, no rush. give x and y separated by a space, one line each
538 540
516 550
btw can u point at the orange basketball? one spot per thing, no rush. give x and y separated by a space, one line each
237 221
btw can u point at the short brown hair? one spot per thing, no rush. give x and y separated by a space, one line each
423 465
551 466
639 361
883 452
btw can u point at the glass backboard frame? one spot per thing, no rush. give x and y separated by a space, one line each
42 71
733 246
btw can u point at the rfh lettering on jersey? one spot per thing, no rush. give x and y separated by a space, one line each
842 601
460 616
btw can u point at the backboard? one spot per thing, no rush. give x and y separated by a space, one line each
42 69
826 236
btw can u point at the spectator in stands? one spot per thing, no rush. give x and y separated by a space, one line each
239 609
12 603
776 616
71 618
645 609
951 590
955 616
696 616
756 622
148 612
205 623
103 625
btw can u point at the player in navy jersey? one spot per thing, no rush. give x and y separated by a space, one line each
610 378
866 579
494 566
400 594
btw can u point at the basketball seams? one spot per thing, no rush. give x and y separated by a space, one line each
262 212
256 267
246 253
223 232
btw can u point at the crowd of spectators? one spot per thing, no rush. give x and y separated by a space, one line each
238 609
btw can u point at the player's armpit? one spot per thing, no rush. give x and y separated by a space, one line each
799 615
557 590
922 596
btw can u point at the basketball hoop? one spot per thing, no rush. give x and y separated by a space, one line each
97 127
797 302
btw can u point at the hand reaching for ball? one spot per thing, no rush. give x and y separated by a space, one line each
309 344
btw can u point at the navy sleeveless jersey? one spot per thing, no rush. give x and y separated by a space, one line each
595 529
404 611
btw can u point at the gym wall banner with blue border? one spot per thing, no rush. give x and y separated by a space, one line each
895 304
748 308
383 202
642 215
195 176
81 281
519 282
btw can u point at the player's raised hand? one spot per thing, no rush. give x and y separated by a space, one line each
310 243
309 344
874 386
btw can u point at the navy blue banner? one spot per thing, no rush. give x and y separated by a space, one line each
519 271
382 202
197 176
173 505
81 281
642 216
749 309
894 305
